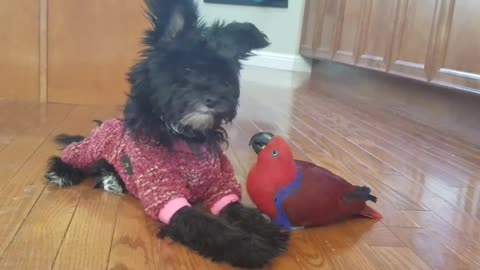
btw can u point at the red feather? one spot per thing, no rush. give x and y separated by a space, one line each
322 198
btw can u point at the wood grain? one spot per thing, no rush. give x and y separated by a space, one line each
349 32
457 46
19 47
427 40
49 210
311 33
349 122
22 184
91 46
326 47
413 42
92 225
39 125
43 51
394 257
377 40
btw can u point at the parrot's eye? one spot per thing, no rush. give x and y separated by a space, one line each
275 154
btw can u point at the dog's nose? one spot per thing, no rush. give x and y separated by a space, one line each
210 102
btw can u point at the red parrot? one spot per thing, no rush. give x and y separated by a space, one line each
296 193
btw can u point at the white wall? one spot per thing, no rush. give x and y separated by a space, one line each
282 26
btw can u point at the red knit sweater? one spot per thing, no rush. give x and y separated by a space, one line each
163 182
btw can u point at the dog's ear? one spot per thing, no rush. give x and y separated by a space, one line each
170 18
237 40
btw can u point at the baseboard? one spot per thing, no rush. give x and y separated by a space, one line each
279 61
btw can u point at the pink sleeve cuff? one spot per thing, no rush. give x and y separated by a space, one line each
223 202
170 208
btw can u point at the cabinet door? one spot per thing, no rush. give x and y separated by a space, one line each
457 54
311 28
348 33
19 50
91 46
413 42
319 28
330 18
377 33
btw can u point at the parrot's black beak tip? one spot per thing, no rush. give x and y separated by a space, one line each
260 140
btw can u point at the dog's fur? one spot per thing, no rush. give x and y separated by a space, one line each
186 88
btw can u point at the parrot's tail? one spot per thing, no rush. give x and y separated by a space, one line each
370 213
362 193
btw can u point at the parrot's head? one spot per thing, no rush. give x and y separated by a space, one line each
274 171
271 148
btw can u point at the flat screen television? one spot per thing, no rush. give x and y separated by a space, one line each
259 3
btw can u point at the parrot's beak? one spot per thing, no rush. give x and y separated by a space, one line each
260 140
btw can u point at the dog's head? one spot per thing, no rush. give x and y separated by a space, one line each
187 83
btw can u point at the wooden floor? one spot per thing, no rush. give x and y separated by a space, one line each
426 178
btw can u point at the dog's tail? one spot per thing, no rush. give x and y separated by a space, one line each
66 139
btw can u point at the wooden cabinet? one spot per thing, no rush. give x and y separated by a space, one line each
429 40
91 46
19 50
69 51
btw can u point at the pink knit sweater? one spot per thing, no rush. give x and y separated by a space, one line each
163 182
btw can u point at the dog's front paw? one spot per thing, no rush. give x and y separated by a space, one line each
218 240
252 221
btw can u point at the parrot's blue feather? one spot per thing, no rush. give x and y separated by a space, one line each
282 219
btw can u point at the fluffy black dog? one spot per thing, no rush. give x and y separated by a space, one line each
186 88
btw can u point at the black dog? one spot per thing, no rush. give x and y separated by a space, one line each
186 88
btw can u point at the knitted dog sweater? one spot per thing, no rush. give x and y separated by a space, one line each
163 181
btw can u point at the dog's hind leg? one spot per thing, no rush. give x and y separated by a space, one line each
81 155
108 178
63 174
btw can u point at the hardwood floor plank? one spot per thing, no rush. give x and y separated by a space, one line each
37 241
334 158
465 244
426 181
23 146
451 194
453 215
412 131
429 151
89 236
135 245
436 204
361 231
388 141
20 192
430 249
11 126
346 251
399 258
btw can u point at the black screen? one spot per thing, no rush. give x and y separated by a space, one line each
260 3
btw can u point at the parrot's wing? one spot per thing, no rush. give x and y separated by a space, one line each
315 170
313 203
324 197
